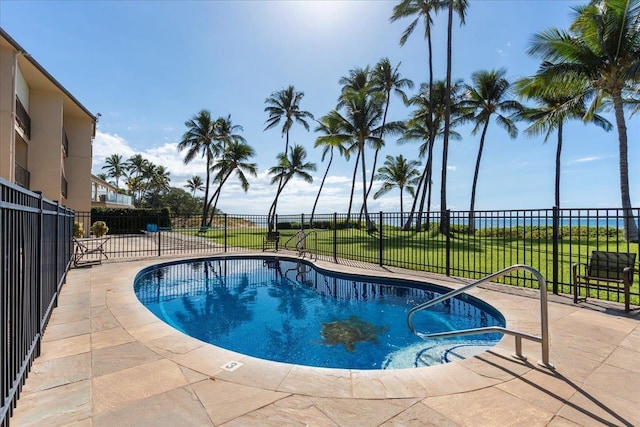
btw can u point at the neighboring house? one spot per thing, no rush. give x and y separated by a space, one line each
106 195
45 133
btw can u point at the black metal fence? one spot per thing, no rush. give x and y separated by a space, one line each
34 259
550 240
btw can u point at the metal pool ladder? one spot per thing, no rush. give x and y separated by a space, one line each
543 339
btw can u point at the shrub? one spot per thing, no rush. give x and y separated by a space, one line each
78 230
131 221
99 228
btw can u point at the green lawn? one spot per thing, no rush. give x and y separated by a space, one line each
470 256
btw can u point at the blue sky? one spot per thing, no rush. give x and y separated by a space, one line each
148 66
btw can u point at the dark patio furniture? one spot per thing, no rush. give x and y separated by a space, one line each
605 271
89 251
271 240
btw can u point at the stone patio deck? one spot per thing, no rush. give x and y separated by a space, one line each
107 361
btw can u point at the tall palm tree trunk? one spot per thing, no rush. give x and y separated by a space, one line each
432 139
407 224
630 226
375 156
313 211
430 184
472 225
271 216
444 225
353 187
423 180
216 196
426 188
274 205
205 203
558 153
369 224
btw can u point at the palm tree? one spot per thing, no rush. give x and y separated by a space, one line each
602 50
199 139
115 167
158 183
329 126
398 172
234 159
285 104
486 97
460 7
554 108
363 113
385 78
194 184
224 135
135 166
358 79
426 124
103 176
421 9
289 167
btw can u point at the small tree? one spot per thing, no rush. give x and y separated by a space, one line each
99 228
78 230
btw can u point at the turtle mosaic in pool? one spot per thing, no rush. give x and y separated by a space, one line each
288 310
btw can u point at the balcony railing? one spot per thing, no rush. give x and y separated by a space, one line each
63 186
23 119
65 143
115 198
22 177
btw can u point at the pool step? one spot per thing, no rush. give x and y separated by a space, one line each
423 354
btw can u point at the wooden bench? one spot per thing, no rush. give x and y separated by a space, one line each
271 239
605 271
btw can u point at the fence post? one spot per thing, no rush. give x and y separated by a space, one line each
447 227
556 238
225 232
38 281
159 236
302 222
380 244
335 237
56 261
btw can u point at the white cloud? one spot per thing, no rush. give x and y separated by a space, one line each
104 145
297 197
167 155
585 159
452 168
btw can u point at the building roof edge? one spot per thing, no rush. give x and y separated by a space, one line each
40 68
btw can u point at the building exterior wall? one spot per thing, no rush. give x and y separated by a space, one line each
22 88
44 159
77 165
54 113
7 126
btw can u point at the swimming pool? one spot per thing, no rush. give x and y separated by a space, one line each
288 310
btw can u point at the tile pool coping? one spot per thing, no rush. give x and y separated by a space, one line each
99 319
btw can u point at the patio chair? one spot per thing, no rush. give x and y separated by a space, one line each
271 240
605 271
86 250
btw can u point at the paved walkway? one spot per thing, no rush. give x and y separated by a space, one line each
107 361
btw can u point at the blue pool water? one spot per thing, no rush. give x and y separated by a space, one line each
287 310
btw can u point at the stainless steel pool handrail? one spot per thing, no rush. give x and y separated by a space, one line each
303 238
543 339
